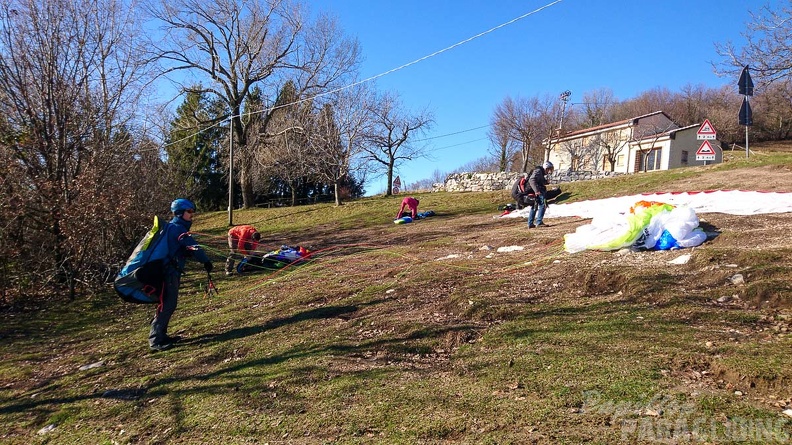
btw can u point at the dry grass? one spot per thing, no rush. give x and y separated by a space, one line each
424 333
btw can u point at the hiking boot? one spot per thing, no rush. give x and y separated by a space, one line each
531 226
160 347
542 225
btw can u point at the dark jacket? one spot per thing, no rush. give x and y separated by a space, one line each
182 245
518 189
537 180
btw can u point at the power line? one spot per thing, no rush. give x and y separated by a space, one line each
393 70
451 134
461 143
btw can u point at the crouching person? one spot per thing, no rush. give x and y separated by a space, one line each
412 205
520 192
242 242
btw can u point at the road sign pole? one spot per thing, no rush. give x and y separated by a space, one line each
745 86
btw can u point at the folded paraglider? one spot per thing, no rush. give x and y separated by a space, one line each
648 225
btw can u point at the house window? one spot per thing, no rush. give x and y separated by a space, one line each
620 161
684 157
651 160
575 163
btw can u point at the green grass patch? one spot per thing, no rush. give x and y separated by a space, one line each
387 338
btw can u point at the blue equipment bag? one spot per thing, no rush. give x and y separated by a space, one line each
142 279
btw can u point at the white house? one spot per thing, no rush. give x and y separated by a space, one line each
644 143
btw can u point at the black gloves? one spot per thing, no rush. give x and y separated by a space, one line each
208 266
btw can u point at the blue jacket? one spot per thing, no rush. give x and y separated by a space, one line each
182 245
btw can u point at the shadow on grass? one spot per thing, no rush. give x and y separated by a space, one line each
221 381
313 314
562 197
136 393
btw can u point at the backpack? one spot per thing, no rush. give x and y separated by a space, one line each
142 279
523 183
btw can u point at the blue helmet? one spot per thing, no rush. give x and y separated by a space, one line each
180 205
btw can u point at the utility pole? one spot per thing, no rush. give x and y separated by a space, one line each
230 173
564 99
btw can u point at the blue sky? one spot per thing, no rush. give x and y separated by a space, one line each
576 45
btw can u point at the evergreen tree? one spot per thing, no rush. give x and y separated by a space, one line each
193 146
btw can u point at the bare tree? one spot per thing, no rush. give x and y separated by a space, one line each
773 112
526 121
689 107
283 151
656 99
578 153
552 117
610 146
339 136
502 145
768 47
438 177
235 45
70 77
389 143
598 107
720 110
646 135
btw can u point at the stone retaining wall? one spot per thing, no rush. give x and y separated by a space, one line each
487 182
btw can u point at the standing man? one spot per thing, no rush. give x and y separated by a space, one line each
180 245
538 182
242 241
410 203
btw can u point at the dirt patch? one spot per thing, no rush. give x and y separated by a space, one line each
599 282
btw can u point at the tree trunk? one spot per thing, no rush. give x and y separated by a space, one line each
389 189
336 191
246 186
241 147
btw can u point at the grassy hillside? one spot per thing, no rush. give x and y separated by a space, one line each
426 333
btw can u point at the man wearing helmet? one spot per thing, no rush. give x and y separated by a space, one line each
538 182
181 245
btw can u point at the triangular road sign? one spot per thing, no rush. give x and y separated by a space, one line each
706 131
705 149
705 152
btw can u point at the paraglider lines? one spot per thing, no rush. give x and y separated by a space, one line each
363 266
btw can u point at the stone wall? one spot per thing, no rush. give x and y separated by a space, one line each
487 182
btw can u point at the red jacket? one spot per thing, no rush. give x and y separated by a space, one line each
244 237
